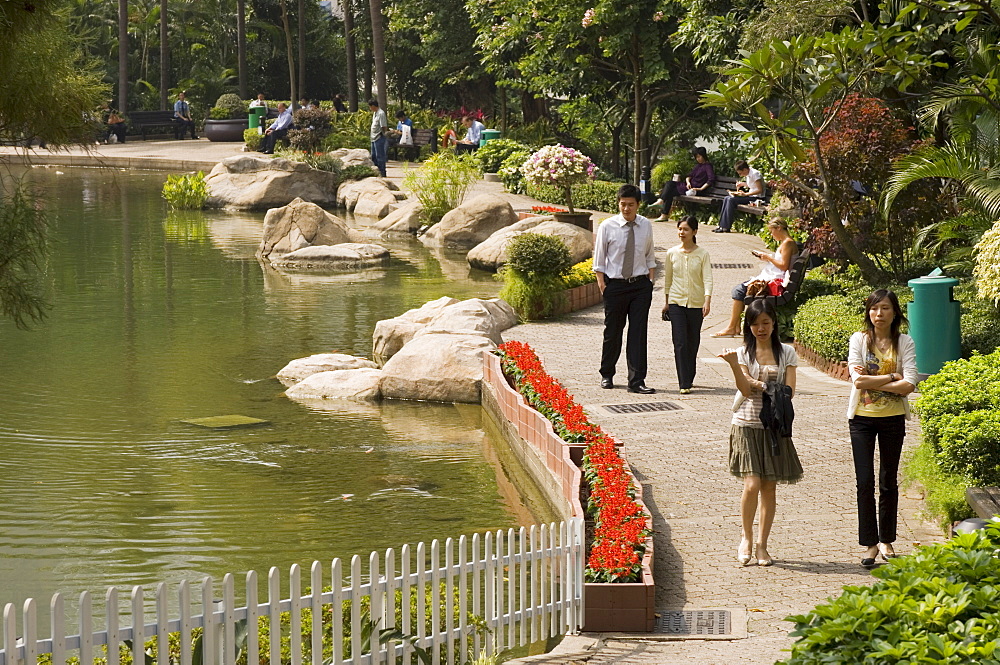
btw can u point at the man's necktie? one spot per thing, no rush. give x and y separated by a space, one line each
629 251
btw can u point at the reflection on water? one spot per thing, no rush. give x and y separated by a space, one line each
160 317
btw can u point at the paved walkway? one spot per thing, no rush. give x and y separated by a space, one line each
681 455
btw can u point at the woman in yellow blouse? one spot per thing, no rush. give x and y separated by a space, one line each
688 288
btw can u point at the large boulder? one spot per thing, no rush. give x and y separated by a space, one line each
471 223
473 317
257 182
333 258
360 384
391 334
377 203
437 367
404 220
297 225
353 157
492 252
350 191
301 368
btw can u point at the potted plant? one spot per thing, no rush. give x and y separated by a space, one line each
561 167
227 120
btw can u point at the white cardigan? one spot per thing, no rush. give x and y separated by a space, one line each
906 364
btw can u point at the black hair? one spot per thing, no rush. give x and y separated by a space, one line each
372 102
692 223
754 310
898 320
400 114
700 150
741 165
629 192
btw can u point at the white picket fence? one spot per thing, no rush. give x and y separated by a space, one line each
523 586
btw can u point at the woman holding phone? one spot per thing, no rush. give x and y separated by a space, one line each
775 266
883 364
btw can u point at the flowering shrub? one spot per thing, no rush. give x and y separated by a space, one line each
541 210
559 166
620 522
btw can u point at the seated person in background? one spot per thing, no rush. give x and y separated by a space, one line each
746 192
702 178
474 132
448 137
404 137
305 104
276 131
113 123
260 101
775 266
182 117
338 104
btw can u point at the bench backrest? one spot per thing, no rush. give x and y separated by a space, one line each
149 117
724 184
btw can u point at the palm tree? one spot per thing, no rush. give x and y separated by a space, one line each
378 51
352 57
123 55
288 52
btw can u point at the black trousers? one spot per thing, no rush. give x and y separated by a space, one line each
181 126
626 302
667 194
728 213
267 143
889 432
685 329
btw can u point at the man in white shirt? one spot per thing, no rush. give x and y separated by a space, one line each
380 125
625 264
750 190
474 132
260 101
277 130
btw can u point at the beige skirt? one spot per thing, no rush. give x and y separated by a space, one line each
750 455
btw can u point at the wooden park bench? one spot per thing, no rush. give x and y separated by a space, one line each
796 273
984 500
420 137
716 193
143 120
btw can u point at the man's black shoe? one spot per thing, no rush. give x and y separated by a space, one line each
720 230
641 389
607 383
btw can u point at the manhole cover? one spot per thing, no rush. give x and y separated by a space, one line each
694 622
642 407
731 266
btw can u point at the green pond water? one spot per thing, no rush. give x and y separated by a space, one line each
158 318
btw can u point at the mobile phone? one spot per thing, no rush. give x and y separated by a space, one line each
666 315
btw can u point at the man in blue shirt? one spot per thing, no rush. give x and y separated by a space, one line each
404 138
474 132
379 128
276 131
182 117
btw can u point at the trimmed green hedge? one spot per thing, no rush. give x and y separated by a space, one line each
825 324
941 605
599 195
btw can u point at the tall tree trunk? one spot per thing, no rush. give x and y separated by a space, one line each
122 55
378 52
241 46
367 57
638 147
288 53
352 57
302 47
164 56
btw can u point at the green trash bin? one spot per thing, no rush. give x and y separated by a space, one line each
254 120
934 318
488 135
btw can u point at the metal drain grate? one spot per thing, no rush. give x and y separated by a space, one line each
731 266
643 407
694 622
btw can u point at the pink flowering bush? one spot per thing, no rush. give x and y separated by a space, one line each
558 166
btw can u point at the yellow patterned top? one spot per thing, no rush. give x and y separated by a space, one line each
879 403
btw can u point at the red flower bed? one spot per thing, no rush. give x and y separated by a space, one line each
620 522
546 209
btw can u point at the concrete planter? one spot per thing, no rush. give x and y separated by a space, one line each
226 130
581 219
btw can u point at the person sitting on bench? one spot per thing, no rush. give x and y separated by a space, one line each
746 192
702 178
182 117
276 131
474 132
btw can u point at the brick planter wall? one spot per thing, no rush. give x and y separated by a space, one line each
580 297
835 368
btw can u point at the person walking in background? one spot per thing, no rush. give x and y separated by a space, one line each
883 364
762 460
278 130
378 135
338 104
687 285
775 267
701 178
625 264
182 117
752 189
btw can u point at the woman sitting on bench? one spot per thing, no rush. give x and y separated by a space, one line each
775 267
702 178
